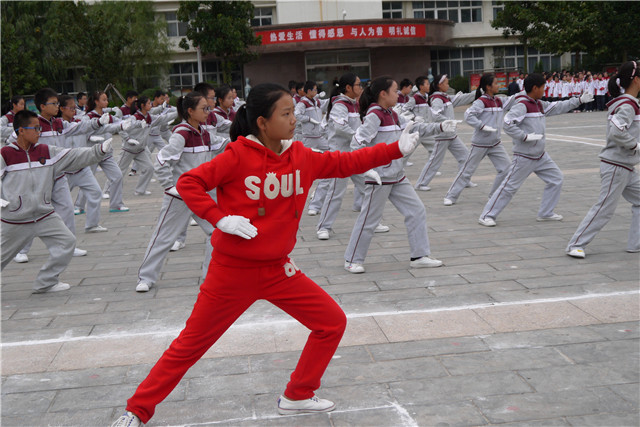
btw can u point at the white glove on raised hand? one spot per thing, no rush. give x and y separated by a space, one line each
586 98
407 115
408 141
489 129
164 105
106 146
418 119
449 125
373 175
143 124
133 141
172 191
314 121
117 111
238 225
322 94
533 137
4 203
104 119
127 124
96 139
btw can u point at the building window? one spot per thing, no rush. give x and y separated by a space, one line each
175 28
456 11
496 9
68 84
185 74
512 58
262 16
326 67
391 9
456 62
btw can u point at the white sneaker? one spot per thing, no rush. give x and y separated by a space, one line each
193 222
132 172
128 419
554 217
120 209
471 185
424 188
153 180
632 251
146 193
576 253
59 287
177 245
78 211
79 252
438 173
409 163
487 222
313 212
353 267
143 287
425 262
96 229
315 404
106 196
21 258
381 228
448 202
323 234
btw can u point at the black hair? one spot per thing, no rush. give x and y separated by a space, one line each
371 93
260 103
347 79
434 87
292 84
420 81
626 73
13 101
91 102
158 94
533 79
80 95
309 85
221 92
299 85
63 99
143 99
190 100
22 119
43 95
404 83
486 80
203 88
130 94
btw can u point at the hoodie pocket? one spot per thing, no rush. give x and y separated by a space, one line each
19 205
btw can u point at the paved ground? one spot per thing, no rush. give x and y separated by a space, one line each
510 331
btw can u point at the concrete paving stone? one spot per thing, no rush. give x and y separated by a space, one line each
446 270
462 413
610 309
426 282
480 288
28 359
488 250
43 381
617 331
392 295
599 420
495 275
423 348
26 324
628 392
336 290
589 265
493 260
133 302
458 388
76 417
622 274
578 376
194 412
388 416
564 280
602 351
557 292
90 319
214 386
46 334
435 303
529 406
26 403
542 338
6 313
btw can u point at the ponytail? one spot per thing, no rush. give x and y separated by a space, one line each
486 80
435 84
622 80
91 102
371 93
240 125
260 103
347 79
139 103
187 101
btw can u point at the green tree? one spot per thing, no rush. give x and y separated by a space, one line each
517 19
221 28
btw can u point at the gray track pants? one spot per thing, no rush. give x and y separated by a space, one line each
405 199
498 156
114 184
86 180
54 234
174 218
616 181
333 200
457 148
521 168
144 161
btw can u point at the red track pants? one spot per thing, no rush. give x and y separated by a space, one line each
227 292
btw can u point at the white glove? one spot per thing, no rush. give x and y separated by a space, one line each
533 137
117 111
489 129
418 119
322 94
407 115
127 124
398 109
314 121
408 141
173 191
143 124
374 176
133 141
414 88
238 225
106 146
449 125
104 119
164 105
4 203
586 98
96 139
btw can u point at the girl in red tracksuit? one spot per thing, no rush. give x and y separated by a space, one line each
262 182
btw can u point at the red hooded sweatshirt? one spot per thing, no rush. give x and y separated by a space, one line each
269 189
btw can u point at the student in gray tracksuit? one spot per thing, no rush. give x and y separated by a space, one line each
618 160
381 125
418 107
525 124
485 116
28 170
189 146
442 106
343 121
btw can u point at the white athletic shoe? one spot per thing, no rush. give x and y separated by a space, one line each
315 404
177 245
120 209
353 267
576 253
193 222
313 212
323 234
425 262
487 222
96 229
633 251
381 228
106 196
438 173
143 287
471 185
554 217
424 188
146 193
79 252
128 419
448 202
60 286
78 211
409 163
21 258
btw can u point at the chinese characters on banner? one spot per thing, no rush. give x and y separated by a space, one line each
344 32
504 78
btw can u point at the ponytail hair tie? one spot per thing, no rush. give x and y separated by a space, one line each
618 83
444 76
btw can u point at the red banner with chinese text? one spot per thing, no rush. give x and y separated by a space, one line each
342 32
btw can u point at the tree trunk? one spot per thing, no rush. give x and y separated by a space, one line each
526 57
577 64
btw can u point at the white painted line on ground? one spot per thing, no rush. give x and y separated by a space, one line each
579 138
576 142
253 325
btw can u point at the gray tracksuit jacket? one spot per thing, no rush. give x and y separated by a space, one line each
623 132
344 120
140 134
487 111
442 106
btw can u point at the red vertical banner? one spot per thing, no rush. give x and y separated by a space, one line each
512 74
474 81
502 80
